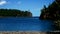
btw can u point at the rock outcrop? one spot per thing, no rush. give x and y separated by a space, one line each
52 12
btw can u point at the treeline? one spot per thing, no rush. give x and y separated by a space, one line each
14 13
52 12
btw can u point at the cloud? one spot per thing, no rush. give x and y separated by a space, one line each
2 2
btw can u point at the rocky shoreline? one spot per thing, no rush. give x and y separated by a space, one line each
21 32
27 32
52 12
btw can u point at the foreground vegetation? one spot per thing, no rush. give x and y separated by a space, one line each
52 12
14 13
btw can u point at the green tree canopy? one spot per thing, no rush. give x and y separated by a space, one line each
15 13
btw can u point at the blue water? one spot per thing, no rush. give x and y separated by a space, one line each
25 24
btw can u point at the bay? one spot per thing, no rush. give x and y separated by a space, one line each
25 24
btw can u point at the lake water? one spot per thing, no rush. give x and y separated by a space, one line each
25 24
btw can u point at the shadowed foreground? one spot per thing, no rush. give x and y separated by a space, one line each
26 32
20 32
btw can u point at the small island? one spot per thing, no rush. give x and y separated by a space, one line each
14 13
52 12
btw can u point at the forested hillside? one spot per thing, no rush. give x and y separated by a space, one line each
14 13
52 12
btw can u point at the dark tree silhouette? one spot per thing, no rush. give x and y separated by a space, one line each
52 12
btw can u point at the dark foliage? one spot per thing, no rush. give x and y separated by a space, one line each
14 13
52 12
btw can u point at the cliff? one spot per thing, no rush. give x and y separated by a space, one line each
52 12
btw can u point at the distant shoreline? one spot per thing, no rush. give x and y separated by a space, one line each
16 17
14 13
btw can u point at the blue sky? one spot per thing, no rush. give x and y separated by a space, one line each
34 6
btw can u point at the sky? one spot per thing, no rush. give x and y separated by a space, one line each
34 6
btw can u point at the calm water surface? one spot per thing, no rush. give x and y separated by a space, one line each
25 24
